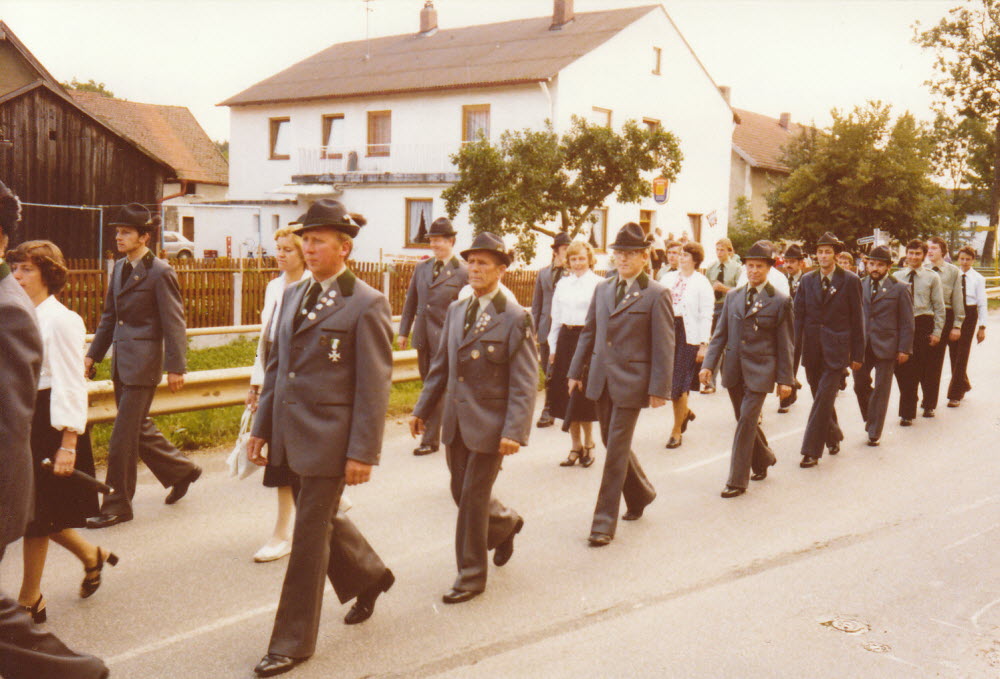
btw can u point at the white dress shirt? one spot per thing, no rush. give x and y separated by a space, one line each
975 293
694 301
466 292
774 277
62 364
571 301
273 295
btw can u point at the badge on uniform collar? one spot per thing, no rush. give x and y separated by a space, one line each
475 354
334 354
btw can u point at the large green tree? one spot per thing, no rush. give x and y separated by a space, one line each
966 44
866 171
532 178
89 86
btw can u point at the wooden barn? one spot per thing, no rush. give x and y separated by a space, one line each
54 153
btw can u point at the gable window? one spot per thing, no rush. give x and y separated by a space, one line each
333 135
646 221
657 59
601 116
651 123
695 221
279 138
379 132
475 122
599 234
187 227
419 215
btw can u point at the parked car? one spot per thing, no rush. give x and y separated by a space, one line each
177 246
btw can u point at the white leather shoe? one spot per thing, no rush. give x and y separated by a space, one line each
273 551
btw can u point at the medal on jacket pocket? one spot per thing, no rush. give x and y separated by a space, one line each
334 354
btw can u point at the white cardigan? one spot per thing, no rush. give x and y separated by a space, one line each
63 333
273 295
696 306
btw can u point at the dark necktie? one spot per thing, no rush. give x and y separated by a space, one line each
913 275
874 290
721 278
751 296
307 304
471 314
964 298
127 269
438 265
826 287
937 269
620 293
556 275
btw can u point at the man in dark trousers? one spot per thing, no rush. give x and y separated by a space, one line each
143 319
26 652
795 266
954 317
830 328
485 372
888 309
541 308
435 284
627 342
322 409
974 290
755 329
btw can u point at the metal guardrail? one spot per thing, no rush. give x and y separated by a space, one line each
205 389
224 330
993 293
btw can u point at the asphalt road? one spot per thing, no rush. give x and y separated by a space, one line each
897 544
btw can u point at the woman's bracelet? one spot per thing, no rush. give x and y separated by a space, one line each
68 450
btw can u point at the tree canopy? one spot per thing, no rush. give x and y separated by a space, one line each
867 171
531 178
89 86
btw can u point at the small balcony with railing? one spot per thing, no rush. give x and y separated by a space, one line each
377 164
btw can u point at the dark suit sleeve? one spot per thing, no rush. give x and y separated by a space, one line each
106 327
537 301
857 322
799 314
264 418
522 381
719 337
410 306
585 345
171 308
373 381
785 368
437 374
661 343
905 321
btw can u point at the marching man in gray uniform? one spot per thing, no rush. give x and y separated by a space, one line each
485 371
143 319
322 409
541 308
756 330
888 309
435 284
627 342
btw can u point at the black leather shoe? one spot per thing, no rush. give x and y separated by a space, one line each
928 412
107 520
905 422
759 476
835 448
782 410
273 664
808 462
424 449
873 442
690 417
633 514
545 420
505 549
730 491
458 596
599 540
364 606
180 489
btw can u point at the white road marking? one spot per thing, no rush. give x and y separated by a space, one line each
951 624
975 618
969 538
721 456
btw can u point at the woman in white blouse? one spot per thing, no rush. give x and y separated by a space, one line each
59 430
693 301
288 247
570 302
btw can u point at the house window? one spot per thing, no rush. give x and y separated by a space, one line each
599 233
275 223
279 142
695 221
419 215
379 132
646 220
652 124
601 116
475 121
187 227
657 58
333 135
191 188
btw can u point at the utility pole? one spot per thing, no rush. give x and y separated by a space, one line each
368 11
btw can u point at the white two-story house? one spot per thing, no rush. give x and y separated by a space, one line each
374 123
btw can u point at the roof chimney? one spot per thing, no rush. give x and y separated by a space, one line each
785 120
428 19
562 14
725 91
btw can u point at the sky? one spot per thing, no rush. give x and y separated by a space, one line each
804 57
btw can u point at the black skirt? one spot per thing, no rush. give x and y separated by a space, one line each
685 361
578 408
60 501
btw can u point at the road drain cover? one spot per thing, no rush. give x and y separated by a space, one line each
876 647
848 625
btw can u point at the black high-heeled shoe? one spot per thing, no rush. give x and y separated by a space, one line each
38 615
92 576
587 458
690 417
574 455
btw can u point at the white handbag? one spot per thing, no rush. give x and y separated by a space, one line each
239 466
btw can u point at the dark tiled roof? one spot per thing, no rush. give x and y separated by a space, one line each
763 139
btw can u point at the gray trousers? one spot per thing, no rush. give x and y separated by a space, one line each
750 448
822 428
623 476
716 313
432 425
483 521
135 437
325 545
874 402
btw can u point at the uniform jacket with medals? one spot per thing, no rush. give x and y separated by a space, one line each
326 385
144 321
634 358
830 327
488 377
427 301
889 318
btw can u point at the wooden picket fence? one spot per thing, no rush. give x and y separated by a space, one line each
209 287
